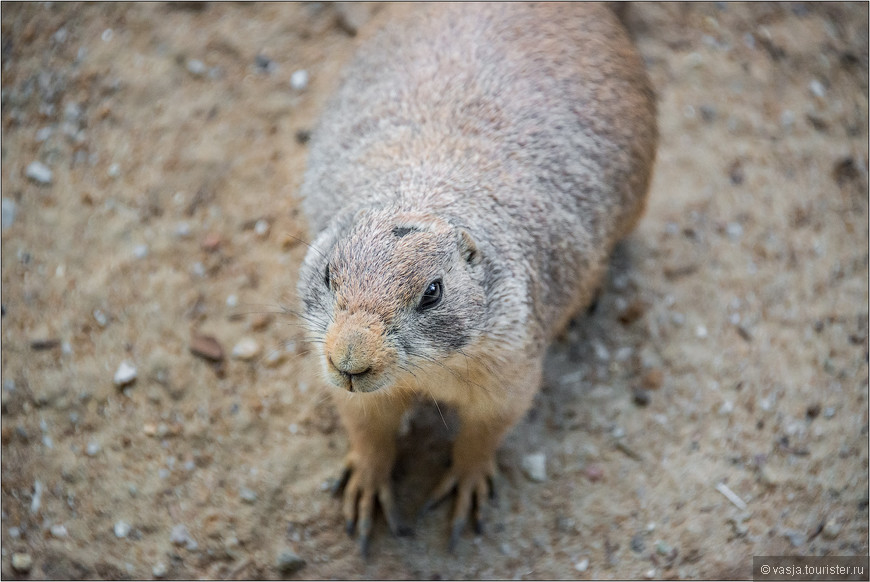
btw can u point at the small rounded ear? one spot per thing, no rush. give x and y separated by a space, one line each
468 248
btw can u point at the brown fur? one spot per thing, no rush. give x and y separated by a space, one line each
501 150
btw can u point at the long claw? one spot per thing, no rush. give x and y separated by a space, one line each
444 489
388 505
493 494
341 482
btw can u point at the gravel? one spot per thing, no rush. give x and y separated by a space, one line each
125 375
159 570
180 536
21 562
289 562
59 531
248 495
9 209
39 173
122 529
246 349
299 80
196 67
535 466
207 347
36 500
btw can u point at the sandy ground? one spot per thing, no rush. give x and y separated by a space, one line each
729 352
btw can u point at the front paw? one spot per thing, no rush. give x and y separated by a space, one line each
360 486
473 486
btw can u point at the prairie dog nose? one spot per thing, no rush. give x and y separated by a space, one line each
355 351
350 365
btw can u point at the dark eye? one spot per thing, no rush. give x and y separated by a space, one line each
326 280
432 295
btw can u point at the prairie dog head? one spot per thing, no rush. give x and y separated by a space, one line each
390 293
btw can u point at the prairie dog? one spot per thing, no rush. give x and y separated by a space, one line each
466 185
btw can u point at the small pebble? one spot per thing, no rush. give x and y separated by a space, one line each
288 562
246 349
832 529
36 500
59 531
582 565
9 209
107 35
159 570
653 379
640 396
701 332
101 317
261 227
734 230
182 230
196 67
122 529
232 300
205 346
708 113
43 133
650 574
92 449
60 36
264 64
181 537
601 352
211 242
114 171
21 562
299 80
72 112
14 532
535 466
126 374
817 88
140 251
796 538
39 172
248 495
637 544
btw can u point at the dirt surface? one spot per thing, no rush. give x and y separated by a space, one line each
728 356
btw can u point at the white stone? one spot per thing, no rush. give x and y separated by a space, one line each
246 349
122 529
8 211
159 570
535 466
59 531
125 375
196 67
140 251
261 227
299 80
39 172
